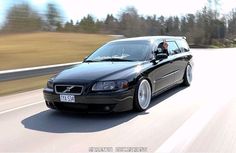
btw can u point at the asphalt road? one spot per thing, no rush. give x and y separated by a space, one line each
200 118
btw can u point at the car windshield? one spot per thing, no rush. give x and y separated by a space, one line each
120 51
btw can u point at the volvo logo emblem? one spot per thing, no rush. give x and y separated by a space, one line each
68 89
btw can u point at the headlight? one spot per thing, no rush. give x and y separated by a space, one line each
50 83
110 85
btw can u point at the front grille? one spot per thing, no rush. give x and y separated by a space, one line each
69 89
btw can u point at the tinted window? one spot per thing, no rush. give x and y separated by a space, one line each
121 50
173 48
183 45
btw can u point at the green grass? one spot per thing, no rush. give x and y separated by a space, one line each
36 49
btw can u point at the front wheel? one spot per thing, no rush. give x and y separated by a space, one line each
188 75
142 96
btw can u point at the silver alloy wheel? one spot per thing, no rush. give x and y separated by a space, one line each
189 74
144 94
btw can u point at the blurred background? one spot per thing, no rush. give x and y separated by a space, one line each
204 22
44 32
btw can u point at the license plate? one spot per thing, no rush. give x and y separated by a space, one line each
67 98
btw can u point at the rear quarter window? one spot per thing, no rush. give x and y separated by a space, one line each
183 45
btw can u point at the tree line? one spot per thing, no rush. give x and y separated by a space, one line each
206 27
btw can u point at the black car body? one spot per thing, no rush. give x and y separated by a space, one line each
121 75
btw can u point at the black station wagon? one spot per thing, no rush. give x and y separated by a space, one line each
122 75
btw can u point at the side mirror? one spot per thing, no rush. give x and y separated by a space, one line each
161 56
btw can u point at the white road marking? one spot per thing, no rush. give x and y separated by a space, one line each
187 133
20 107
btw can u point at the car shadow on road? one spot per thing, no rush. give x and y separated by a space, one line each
58 122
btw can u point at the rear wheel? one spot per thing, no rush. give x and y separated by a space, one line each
188 76
142 96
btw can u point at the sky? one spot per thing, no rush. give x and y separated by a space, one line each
77 9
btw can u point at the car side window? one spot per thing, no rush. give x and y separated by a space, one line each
173 48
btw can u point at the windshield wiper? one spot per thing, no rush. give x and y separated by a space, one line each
115 59
90 61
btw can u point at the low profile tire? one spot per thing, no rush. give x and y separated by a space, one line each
188 76
142 96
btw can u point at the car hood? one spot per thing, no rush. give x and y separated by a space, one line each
86 72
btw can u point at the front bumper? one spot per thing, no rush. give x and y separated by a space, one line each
115 102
